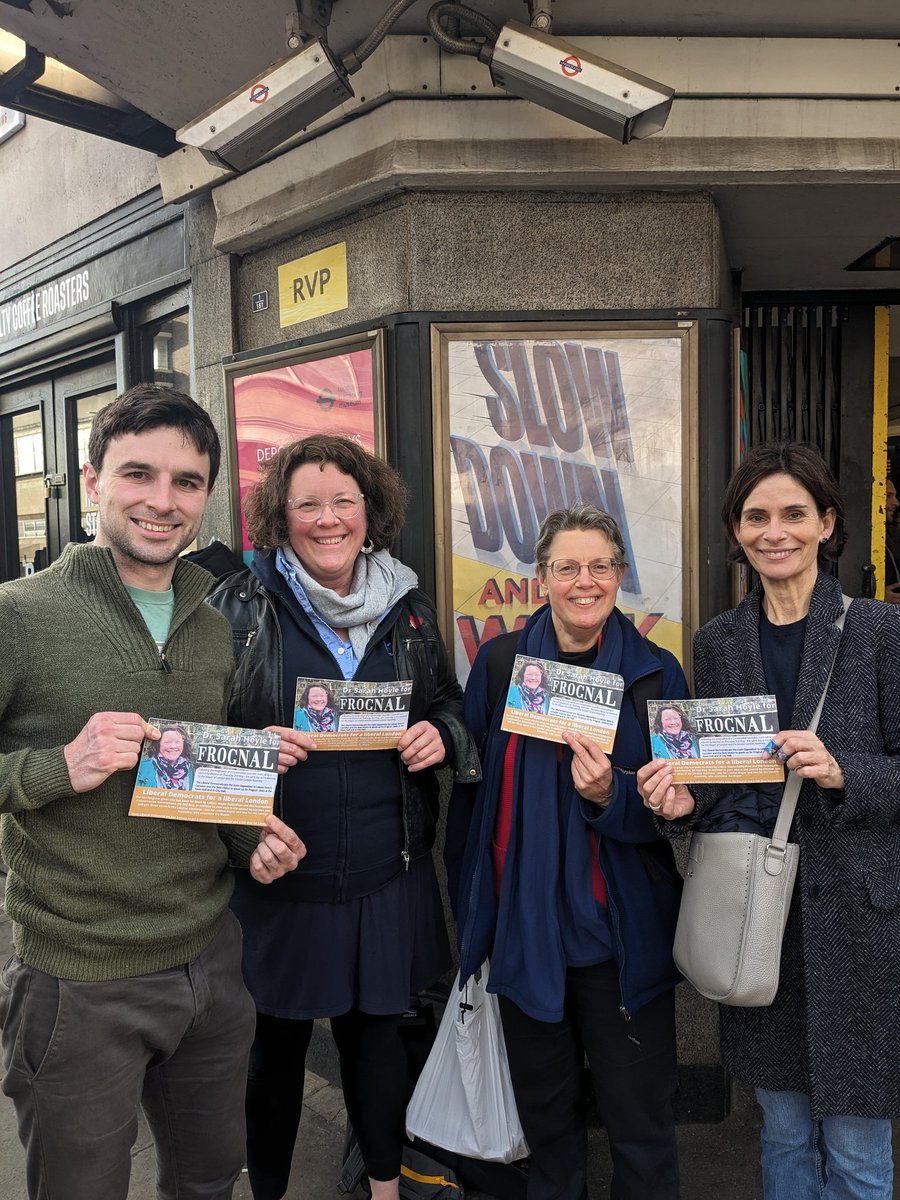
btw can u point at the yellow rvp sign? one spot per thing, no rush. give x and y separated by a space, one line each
313 285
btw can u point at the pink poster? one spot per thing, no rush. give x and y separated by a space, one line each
279 405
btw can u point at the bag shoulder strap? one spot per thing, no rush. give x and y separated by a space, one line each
792 787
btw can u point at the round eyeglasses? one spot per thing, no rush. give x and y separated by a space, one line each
567 569
310 508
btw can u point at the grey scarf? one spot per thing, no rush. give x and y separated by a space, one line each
378 583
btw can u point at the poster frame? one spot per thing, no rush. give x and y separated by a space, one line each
278 358
444 334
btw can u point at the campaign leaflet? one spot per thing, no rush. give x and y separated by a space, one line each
547 699
723 740
198 772
347 714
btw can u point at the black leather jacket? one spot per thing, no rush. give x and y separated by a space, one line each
419 654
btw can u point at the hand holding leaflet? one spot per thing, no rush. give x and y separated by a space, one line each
349 714
548 700
201 772
109 742
724 739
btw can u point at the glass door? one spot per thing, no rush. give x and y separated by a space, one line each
24 534
79 397
22 469
44 431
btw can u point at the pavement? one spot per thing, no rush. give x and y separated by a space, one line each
718 1161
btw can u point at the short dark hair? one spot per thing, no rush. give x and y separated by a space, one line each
384 490
580 518
805 464
151 406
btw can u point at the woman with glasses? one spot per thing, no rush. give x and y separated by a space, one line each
362 926
567 886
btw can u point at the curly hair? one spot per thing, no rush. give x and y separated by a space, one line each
384 490
520 674
187 750
686 725
329 695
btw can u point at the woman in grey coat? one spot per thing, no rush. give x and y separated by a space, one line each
825 1057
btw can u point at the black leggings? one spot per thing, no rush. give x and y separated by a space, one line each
374 1078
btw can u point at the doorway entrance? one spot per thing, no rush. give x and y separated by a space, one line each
44 431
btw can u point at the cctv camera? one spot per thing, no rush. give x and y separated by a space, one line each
569 81
292 93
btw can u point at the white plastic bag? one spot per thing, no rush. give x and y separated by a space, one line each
464 1099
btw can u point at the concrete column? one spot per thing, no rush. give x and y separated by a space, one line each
213 337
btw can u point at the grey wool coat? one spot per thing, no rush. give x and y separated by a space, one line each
832 1029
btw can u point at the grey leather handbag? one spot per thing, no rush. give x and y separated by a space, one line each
735 903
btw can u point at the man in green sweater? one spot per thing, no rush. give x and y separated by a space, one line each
125 988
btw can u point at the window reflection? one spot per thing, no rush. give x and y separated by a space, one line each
86 408
31 521
170 355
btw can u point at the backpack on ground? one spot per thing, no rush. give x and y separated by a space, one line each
421 1177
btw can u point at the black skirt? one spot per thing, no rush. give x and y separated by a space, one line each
306 960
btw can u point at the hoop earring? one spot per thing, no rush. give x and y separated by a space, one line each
368 546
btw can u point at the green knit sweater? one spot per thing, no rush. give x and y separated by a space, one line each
93 893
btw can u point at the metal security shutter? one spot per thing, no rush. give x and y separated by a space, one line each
793 374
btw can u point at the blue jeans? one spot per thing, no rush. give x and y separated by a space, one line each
837 1158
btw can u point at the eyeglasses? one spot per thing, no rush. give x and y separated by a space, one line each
310 508
567 569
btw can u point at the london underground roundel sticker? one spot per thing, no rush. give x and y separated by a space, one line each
259 93
571 66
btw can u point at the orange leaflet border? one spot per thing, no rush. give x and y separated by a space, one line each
551 729
726 770
232 808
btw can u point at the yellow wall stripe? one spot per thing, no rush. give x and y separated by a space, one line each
879 441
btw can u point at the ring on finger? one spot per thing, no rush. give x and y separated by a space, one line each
655 807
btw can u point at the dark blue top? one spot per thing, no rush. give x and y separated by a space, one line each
643 887
350 925
781 647
587 941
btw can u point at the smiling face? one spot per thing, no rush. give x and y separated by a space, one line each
327 547
781 530
531 677
317 699
580 607
171 745
670 720
151 493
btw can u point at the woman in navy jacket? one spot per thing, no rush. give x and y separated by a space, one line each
568 887
363 926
